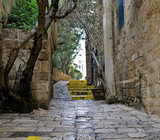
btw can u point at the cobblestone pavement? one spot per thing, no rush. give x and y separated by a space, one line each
81 120
61 90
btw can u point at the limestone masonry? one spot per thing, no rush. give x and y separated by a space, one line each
132 48
137 54
40 80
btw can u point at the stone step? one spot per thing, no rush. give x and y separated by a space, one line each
82 97
89 92
80 89
77 83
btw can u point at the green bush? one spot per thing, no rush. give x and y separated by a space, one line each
23 14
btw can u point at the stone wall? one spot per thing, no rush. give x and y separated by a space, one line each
137 53
60 76
41 84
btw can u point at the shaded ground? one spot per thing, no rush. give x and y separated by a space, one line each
81 120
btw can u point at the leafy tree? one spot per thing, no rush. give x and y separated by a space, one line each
68 45
76 74
22 99
86 16
23 15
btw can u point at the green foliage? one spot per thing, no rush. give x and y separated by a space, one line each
76 74
68 45
23 15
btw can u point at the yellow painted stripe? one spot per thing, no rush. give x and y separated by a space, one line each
82 97
81 86
78 81
78 84
33 138
81 93
80 89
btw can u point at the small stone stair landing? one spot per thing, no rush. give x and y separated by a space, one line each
79 90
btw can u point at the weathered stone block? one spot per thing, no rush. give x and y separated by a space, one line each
156 110
33 85
42 98
22 56
41 76
44 66
28 45
10 44
21 34
139 62
45 45
37 66
42 86
10 34
43 56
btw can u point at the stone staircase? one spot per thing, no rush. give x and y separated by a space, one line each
79 90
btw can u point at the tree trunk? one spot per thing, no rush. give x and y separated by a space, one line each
28 103
49 18
37 46
14 53
23 101
2 82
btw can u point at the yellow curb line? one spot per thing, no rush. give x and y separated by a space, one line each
33 138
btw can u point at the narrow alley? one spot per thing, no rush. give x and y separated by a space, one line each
69 119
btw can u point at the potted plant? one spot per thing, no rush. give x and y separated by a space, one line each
99 93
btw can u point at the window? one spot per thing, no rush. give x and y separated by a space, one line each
121 14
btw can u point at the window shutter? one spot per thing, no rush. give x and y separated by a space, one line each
121 14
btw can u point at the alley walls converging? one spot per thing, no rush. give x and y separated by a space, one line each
123 38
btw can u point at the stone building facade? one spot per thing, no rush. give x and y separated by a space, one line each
42 82
132 52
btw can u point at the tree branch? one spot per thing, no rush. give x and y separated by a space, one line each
86 29
49 18
59 16
101 75
28 72
14 52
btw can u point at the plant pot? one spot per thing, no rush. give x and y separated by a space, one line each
98 93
